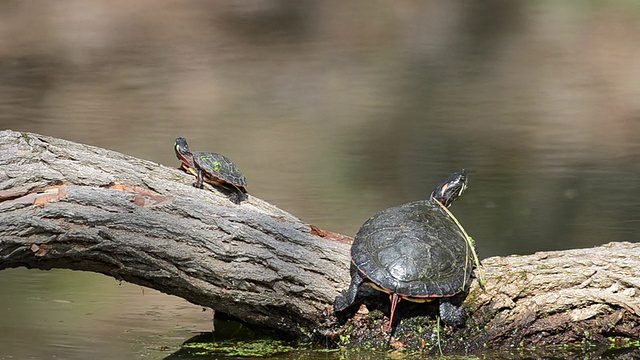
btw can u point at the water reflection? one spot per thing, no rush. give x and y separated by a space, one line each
78 315
335 110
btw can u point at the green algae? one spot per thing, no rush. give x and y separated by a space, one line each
236 348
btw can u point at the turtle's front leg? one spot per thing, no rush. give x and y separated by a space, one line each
199 179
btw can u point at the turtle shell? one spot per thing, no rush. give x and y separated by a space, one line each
220 168
415 250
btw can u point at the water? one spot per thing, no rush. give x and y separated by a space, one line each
78 315
334 111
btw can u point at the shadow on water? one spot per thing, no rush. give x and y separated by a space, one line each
336 110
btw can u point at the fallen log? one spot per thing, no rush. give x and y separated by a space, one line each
74 206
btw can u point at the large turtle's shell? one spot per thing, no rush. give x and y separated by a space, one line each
414 250
220 168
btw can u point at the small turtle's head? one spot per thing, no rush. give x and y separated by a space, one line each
451 188
182 151
181 147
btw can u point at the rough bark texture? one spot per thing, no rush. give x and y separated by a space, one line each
67 205
560 297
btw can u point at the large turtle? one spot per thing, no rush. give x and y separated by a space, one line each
415 251
215 169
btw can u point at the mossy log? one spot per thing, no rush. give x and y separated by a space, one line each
74 206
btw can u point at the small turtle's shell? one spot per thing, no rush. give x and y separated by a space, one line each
415 250
220 168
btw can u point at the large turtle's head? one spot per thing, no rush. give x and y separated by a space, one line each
451 188
182 151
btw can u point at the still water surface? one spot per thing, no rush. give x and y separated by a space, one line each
333 111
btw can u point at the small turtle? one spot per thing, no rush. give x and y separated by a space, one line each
415 251
215 169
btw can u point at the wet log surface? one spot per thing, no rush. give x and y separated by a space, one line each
74 206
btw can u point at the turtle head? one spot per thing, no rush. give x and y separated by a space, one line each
181 146
182 151
451 188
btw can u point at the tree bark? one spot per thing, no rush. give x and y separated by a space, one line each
68 205
560 297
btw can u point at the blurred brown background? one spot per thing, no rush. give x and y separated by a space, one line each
335 110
